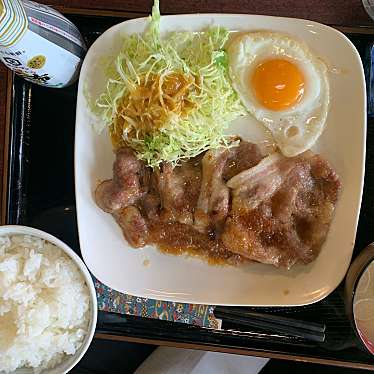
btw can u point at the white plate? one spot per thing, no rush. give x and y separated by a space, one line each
149 273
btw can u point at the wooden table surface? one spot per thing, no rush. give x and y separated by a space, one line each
333 12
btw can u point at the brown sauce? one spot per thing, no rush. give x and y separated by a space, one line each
178 239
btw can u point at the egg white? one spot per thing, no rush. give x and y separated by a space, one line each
294 129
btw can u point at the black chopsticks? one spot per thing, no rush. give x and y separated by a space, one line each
269 322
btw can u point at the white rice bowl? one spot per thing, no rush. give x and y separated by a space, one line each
47 303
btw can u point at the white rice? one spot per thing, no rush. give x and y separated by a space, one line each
44 304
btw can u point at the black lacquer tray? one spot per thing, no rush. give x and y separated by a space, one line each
41 194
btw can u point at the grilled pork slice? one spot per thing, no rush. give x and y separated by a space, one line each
213 203
133 225
282 209
127 186
178 189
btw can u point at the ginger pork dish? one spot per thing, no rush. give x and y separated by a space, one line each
183 180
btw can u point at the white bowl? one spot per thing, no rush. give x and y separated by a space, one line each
70 360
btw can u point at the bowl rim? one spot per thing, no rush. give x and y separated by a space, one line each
26 230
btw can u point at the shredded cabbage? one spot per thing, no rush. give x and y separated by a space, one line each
197 57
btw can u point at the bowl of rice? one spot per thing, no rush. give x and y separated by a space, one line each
48 306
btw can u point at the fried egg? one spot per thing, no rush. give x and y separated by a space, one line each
283 85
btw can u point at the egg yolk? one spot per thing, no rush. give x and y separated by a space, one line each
278 84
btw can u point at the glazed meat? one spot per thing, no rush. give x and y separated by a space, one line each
227 205
178 190
218 166
133 225
253 186
243 157
150 205
116 196
213 203
126 186
282 209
